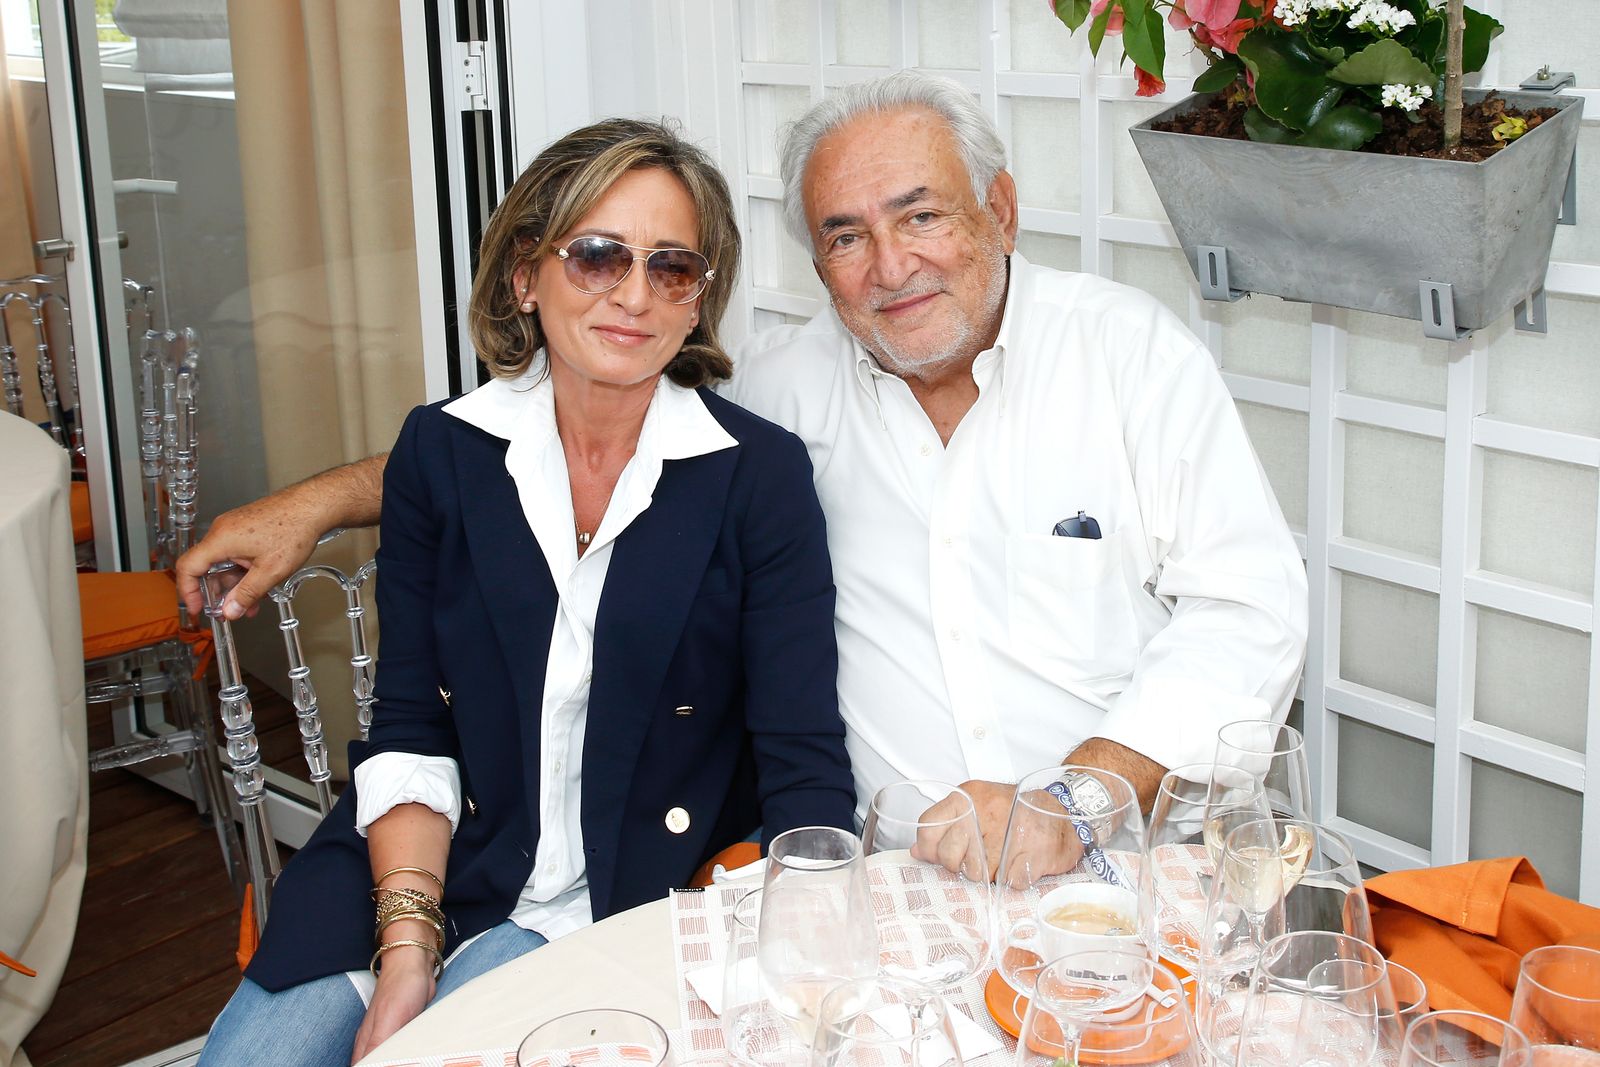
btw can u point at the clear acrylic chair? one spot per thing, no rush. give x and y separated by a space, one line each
137 642
238 716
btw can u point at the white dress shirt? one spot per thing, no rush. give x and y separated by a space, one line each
676 426
972 642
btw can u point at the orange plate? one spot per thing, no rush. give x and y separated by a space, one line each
1007 1007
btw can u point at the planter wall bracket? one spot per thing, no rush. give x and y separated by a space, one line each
1211 269
1530 313
1438 311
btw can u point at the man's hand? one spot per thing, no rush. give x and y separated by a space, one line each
405 985
1041 845
272 537
952 846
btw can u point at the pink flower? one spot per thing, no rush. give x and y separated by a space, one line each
1228 37
1114 24
1213 14
1148 84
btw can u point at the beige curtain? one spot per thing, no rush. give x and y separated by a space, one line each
16 232
321 111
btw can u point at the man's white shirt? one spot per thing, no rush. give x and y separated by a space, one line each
974 642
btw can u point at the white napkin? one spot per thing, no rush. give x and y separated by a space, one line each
707 982
720 874
972 1039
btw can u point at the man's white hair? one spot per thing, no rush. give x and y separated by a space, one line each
976 138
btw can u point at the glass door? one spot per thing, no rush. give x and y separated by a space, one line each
253 188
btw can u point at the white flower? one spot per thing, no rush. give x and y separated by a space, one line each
1376 16
1406 97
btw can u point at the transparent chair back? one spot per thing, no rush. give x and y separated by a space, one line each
238 717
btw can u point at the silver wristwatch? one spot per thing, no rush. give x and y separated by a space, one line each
1090 801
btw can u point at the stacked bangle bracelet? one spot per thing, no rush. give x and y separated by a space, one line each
400 904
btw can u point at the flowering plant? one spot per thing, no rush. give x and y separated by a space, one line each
1312 72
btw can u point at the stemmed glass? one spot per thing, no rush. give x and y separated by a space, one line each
1317 999
1071 878
1410 994
1273 756
1557 1004
925 837
1187 827
1464 1039
1107 1007
753 1031
816 928
595 1037
884 1022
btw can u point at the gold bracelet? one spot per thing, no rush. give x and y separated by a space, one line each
424 917
412 870
438 959
390 900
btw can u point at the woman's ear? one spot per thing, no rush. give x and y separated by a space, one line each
522 285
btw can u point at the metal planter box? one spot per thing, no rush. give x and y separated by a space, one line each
1362 231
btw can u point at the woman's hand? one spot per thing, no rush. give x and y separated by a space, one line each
405 985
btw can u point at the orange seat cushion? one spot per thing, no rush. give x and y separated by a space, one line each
731 858
123 611
82 516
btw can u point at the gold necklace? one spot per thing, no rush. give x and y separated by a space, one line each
584 536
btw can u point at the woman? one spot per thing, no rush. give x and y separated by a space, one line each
608 619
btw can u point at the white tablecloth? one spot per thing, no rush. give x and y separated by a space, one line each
623 962
44 790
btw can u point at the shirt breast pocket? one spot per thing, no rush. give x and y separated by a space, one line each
1070 603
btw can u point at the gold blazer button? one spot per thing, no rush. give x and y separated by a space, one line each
677 820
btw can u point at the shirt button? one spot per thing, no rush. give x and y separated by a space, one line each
677 820
550 869
980 732
948 541
926 450
955 634
555 767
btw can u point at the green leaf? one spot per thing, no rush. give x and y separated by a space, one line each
1348 126
1260 128
1219 75
1097 29
1345 127
1292 85
1073 12
1145 41
1385 62
1332 53
1426 41
1475 37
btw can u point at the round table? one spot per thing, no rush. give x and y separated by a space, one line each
44 786
622 962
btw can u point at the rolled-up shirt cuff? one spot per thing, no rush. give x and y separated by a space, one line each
390 779
1176 722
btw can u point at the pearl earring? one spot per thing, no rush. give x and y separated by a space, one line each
527 307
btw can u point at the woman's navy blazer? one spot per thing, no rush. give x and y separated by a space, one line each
713 689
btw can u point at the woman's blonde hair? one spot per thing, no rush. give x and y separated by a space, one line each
557 190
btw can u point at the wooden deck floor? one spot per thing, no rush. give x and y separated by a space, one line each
153 960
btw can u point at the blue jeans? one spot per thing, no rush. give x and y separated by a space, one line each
314 1024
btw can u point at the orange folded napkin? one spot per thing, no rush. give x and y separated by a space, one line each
19 967
1465 928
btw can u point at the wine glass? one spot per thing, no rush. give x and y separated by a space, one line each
816 928
882 1022
1110 1008
924 838
595 1037
1317 999
753 1031
1557 1005
1072 874
1186 833
1410 994
1244 911
1270 754
1464 1039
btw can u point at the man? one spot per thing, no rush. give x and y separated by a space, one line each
1051 539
